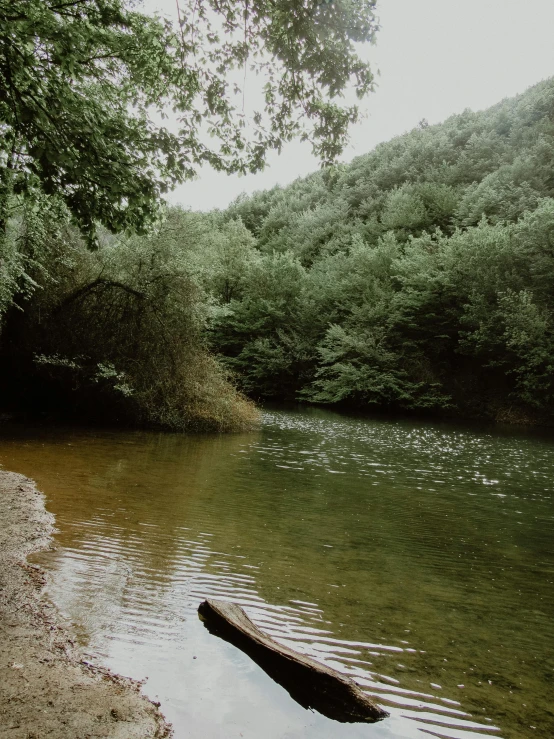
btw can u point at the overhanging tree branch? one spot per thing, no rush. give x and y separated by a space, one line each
100 283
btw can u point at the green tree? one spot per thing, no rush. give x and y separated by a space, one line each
261 333
79 80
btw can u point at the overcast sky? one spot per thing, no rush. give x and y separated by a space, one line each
435 58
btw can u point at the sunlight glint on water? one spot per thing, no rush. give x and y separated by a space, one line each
415 557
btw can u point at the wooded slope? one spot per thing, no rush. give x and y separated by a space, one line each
419 277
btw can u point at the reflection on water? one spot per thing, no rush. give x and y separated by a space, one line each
415 557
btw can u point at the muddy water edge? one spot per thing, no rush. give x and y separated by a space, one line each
46 687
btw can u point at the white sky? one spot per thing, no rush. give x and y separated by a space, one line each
436 58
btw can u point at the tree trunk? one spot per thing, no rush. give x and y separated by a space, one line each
310 683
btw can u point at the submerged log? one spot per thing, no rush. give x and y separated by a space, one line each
310 683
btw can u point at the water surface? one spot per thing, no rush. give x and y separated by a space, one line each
416 557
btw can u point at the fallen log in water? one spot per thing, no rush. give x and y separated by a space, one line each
310 683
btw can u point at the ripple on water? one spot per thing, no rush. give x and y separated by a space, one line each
411 570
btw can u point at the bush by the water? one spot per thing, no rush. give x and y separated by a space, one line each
116 334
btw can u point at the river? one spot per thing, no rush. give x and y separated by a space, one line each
417 557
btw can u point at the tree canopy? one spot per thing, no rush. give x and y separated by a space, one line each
419 278
81 81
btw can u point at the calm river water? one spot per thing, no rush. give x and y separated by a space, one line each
416 557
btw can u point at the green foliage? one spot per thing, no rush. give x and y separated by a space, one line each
503 195
413 208
76 83
259 334
83 86
419 277
79 82
427 273
30 241
119 335
529 337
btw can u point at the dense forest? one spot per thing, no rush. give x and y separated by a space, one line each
96 321
419 277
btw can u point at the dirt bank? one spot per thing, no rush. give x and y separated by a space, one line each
46 688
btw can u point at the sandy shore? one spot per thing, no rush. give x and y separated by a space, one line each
46 687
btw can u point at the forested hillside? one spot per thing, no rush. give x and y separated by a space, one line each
418 277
